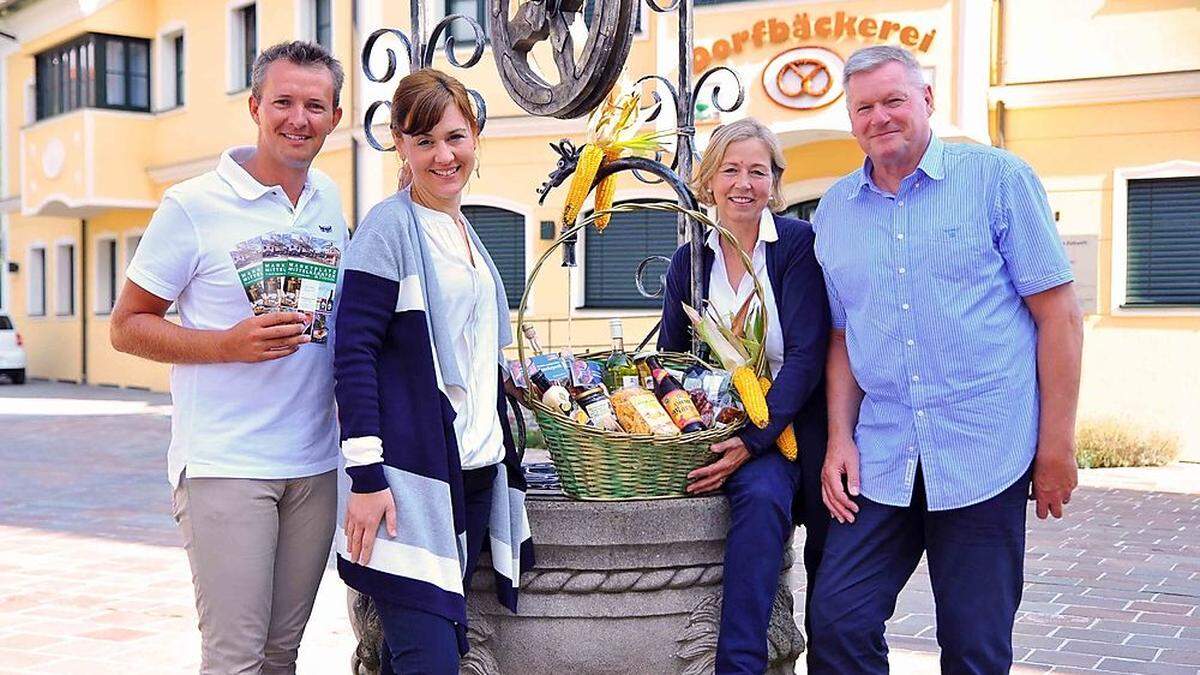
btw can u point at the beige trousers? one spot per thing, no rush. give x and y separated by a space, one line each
257 549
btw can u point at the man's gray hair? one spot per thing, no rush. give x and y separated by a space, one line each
302 54
870 58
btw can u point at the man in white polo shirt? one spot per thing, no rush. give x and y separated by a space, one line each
254 438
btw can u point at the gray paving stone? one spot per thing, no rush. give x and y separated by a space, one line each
1126 666
1095 635
1062 658
1180 656
1109 649
1138 628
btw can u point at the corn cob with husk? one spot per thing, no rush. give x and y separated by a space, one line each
612 133
734 358
787 439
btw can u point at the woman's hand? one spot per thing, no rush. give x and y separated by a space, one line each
511 388
363 514
713 476
841 461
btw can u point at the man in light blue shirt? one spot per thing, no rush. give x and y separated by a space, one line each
953 377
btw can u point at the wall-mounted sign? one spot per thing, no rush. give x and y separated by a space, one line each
804 78
1083 252
840 26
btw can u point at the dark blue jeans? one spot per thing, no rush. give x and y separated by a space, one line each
418 642
764 496
976 566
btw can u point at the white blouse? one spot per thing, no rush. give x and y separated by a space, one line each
727 301
472 315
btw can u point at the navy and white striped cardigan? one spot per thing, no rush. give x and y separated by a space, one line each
798 393
394 359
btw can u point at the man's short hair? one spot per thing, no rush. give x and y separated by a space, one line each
870 58
302 54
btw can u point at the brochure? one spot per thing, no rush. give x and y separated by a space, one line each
291 272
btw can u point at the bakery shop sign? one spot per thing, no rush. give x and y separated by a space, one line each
804 78
803 27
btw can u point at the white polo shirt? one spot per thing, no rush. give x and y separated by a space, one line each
269 420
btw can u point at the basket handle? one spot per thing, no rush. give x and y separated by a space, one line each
759 362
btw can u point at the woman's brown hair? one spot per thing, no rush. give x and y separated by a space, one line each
421 99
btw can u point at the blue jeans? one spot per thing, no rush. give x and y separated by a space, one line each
976 564
417 642
764 496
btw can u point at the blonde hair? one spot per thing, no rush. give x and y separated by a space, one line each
714 155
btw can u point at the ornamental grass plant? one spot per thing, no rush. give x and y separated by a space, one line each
1111 442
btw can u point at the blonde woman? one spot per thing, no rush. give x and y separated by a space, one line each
739 177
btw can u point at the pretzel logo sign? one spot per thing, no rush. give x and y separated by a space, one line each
804 78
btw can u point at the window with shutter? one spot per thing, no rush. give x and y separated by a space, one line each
503 235
1163 235
802 210
611 258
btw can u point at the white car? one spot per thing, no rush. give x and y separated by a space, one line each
12 354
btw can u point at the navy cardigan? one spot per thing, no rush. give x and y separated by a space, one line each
798 392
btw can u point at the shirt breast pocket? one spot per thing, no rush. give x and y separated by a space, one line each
956 253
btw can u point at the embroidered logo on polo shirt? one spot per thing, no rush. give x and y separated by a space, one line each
326 228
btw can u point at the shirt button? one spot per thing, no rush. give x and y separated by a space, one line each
916 378
920 413
899 235
900 203
911 448
910 343
901 270
904 306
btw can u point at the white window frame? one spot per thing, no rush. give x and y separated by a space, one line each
306 22
235 45
103 303
29 295
1179 168
70 297
164 86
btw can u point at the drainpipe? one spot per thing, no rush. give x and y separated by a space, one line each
83 304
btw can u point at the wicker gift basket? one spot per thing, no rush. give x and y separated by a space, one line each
597 464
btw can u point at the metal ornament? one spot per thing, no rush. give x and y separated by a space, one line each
581 81
419 52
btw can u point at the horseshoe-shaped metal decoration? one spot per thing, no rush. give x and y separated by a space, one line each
583 81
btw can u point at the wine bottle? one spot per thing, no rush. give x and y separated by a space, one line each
554 367
619 370
674 398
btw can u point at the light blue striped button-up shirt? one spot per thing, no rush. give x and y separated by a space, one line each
928 286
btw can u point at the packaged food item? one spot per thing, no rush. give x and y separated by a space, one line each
703 406
728 411
586 375
553 395
552 365
598 409
716 384
693 378
639 412
673 398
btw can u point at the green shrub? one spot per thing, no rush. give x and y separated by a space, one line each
1104 443
534 439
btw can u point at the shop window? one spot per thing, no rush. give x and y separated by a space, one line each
611 259
243 45
323 23
64 280
1163 243
95 70
36 284
503 234
802 210
171 78
106 275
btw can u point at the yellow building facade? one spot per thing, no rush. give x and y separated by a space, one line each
1101 97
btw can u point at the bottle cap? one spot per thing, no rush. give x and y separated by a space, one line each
615 326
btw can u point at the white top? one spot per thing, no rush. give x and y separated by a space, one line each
471 315
727 301
269 420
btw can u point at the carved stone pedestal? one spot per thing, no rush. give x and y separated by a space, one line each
620 588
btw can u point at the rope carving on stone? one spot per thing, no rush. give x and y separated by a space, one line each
622 581
479 660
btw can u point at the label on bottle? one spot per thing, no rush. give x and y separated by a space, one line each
680 407
630 381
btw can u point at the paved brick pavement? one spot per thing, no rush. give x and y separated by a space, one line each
92 579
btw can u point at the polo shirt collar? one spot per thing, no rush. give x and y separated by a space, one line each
932 164
767 232
230 168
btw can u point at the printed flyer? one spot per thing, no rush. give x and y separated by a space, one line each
291 272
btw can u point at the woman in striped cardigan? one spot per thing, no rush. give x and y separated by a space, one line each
430 468
739 175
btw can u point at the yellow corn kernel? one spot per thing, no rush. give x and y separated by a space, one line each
753 399
581 182
605 191
787 439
